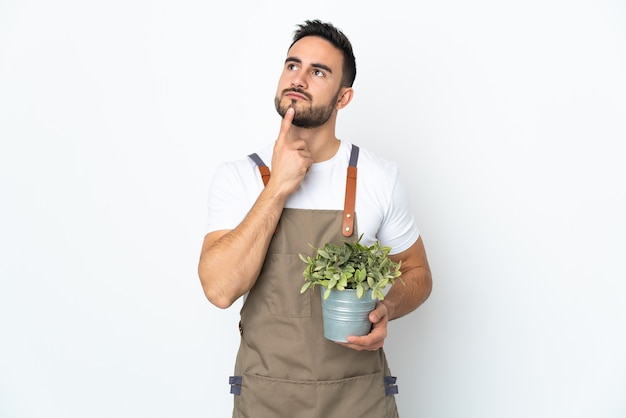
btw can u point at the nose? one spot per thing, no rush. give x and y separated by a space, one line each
298 81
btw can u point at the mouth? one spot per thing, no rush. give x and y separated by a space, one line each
295 95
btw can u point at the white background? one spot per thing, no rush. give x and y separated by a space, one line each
507 119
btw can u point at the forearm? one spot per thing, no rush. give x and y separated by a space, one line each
230 264
399 301
405 298
408 294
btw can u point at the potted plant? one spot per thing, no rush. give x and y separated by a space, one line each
352 277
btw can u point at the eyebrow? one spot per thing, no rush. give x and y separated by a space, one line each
299 61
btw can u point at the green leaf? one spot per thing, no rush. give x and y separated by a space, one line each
305 287
332 283
359 291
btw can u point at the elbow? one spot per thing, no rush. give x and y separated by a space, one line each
219 301
427 285
214 293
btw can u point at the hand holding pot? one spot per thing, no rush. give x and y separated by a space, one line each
376 338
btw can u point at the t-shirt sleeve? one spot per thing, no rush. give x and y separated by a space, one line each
399 229
228 199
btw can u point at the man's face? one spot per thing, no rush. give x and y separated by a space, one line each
310 82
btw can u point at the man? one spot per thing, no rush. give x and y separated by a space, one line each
260 221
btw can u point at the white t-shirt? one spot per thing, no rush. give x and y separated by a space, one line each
382 205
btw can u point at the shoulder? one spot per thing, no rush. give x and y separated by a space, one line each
245 165
241 175
374 166
375 159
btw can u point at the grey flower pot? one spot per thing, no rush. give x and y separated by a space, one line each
344 314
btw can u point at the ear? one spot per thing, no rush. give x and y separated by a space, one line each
345 97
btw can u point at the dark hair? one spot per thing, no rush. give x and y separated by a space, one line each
336 37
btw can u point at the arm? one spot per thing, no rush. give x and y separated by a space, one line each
230 260
401 298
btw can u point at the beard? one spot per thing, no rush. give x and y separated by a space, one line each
309 117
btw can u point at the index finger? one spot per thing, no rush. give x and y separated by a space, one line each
285 125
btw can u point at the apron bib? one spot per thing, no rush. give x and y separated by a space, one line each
285 368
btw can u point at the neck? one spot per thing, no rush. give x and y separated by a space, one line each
322 142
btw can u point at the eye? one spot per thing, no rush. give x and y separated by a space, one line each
319 73
292 67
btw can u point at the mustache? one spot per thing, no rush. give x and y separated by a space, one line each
299 91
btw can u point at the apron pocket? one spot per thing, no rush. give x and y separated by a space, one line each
266 397
361 396
284 296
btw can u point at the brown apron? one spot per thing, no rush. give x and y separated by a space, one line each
285 368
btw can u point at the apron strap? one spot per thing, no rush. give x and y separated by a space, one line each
348 207
235 382
265 171
390 385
